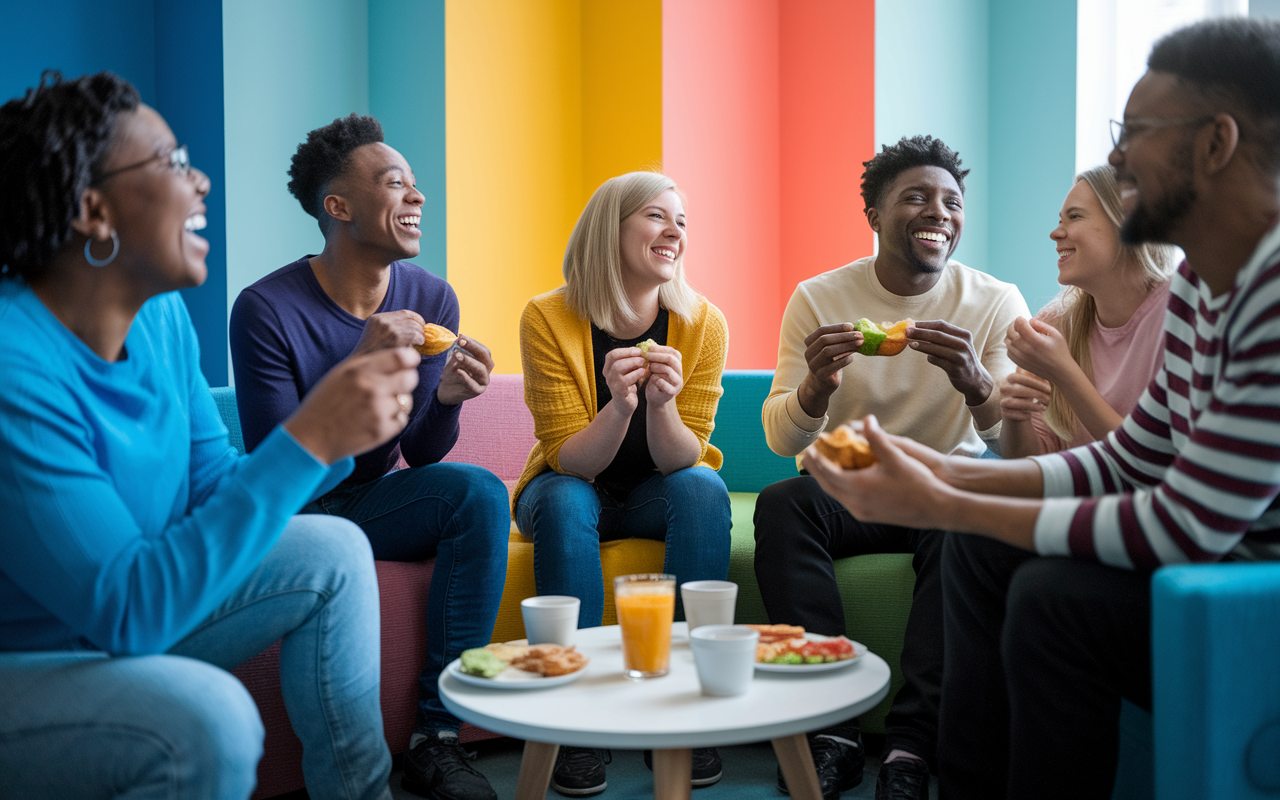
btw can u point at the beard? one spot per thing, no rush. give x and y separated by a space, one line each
1154 222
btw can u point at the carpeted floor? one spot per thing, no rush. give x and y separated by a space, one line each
749 774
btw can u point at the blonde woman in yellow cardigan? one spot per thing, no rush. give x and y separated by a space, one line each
622 445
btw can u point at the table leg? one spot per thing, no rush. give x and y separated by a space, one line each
535 770
673 774
797 767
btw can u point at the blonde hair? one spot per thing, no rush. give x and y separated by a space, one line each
593 257
1077 311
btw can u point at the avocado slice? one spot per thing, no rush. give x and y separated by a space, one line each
482 662
872 336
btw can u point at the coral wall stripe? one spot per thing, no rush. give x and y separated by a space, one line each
827 117
720 142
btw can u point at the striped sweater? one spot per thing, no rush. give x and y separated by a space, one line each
1192 473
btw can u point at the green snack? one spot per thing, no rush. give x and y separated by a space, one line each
872 336
645 346
482 662
788 658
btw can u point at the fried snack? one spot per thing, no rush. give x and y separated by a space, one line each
550 660
438 339
778 633
507 652
846 447
885 339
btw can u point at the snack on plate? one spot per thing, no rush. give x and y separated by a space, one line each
885 339
846 447
547 660
438 339
482 662
787 645
550 660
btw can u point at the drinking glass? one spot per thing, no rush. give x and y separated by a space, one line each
646 605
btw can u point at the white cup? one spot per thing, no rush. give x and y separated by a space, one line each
725 656
709 602
550 619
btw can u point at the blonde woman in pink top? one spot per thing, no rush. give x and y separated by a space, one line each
1086 358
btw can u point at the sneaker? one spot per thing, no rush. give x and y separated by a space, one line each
437 768
579 771
903 779
839 758
707 768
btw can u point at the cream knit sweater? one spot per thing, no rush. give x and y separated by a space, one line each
907 394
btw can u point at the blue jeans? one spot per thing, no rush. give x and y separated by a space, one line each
85 724
568 518
459 513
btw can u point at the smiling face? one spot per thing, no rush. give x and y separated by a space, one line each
155 210
919 220
652 241
1155 171
1088 243
376 201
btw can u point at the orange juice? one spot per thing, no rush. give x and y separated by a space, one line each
645 611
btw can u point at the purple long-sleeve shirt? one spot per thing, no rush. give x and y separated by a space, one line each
286 333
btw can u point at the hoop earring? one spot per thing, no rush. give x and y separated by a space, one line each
115 249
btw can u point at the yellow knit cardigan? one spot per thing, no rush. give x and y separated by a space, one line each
560 377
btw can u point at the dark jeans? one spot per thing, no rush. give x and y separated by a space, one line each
800 531
1039 651
458 513
568 518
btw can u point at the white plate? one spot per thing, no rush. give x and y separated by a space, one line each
859 650
511 678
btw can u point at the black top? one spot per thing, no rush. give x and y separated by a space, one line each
633 464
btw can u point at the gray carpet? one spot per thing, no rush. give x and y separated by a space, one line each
749 774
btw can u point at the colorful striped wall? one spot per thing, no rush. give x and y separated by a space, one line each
513 111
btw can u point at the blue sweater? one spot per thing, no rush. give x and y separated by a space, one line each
126 517
286 333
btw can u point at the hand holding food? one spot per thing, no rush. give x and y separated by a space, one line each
623 372
885 339
436 339
1038 347
664 376
466 372
846 447
1023 394
401 328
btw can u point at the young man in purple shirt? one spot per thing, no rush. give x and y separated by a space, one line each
291 327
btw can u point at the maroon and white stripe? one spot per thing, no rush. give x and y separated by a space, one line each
1193 473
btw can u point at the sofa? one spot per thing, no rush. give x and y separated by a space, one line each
497 433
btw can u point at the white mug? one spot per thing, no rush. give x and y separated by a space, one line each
725 656
709 602
550 618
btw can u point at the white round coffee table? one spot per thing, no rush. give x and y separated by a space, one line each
669 714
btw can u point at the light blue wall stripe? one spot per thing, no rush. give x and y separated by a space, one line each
406 93
932 78
1033 138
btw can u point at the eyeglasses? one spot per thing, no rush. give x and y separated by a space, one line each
1122 132
179 162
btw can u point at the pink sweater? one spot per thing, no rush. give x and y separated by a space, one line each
1125 359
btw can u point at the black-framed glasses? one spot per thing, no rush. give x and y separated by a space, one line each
179 162
1122 132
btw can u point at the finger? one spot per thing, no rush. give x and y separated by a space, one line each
937 326
1041 327
839 327
834 342
477 350
414 315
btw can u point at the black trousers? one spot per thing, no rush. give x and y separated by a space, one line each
1039 653
799 532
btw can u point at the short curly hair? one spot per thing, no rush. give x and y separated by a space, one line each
324 156
52 145
893 160
1236 61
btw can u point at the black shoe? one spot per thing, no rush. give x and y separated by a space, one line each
903 779
839 758
579 771
707 768
437 768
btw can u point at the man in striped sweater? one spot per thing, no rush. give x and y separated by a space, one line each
1040 649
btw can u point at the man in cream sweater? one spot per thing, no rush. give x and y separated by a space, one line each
941 391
